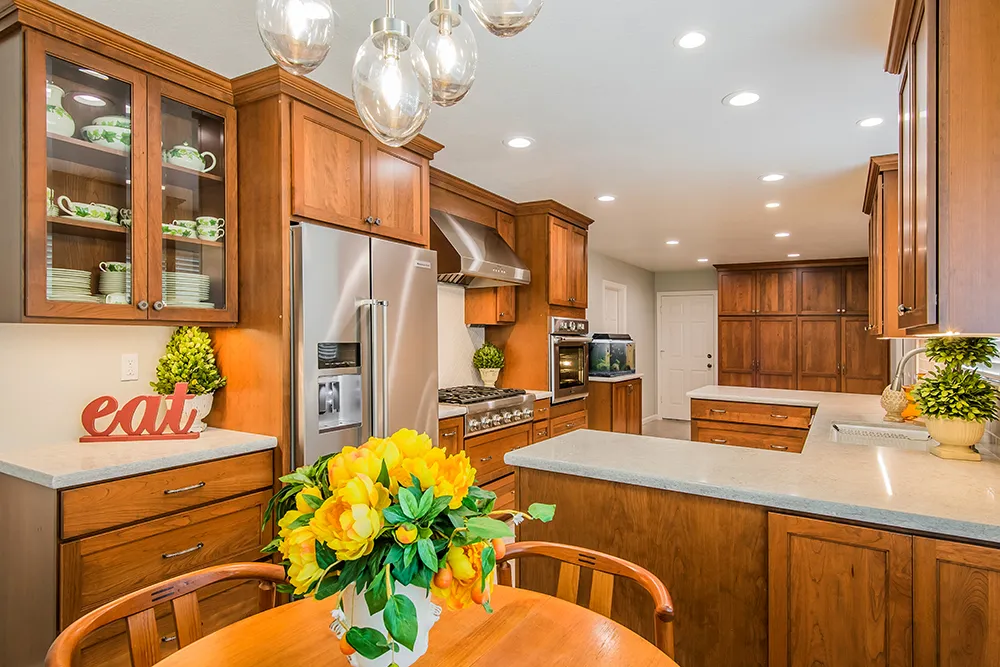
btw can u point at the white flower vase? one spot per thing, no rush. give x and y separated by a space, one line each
355 614
489 376
201 405
957 438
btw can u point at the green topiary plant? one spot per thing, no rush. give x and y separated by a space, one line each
189 358
956 352
488 356
955 393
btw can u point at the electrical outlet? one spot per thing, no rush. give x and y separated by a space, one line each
130 367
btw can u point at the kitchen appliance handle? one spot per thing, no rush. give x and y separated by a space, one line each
571 339
383 389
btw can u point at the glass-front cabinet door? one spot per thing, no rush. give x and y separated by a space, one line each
192 235
85 184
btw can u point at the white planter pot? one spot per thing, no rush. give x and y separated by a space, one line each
489 376
957 438
202 405
355 614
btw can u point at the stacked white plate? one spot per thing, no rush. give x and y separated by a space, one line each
70 285
186 290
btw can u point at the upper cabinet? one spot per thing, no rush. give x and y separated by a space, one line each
127 182
881 205
833 290
567 264
769 291
944 52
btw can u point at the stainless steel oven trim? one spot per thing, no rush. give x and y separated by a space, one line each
564 395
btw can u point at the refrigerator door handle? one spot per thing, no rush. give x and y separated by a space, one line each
383 366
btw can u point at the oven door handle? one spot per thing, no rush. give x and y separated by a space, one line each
571 339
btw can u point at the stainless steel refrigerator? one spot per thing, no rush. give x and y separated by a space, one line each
364 338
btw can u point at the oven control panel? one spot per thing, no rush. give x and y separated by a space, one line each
565 326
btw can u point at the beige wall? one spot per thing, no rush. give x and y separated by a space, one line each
49 372
687 281
456 342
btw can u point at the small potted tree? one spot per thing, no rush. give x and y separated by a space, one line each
190 358
488 360
955 401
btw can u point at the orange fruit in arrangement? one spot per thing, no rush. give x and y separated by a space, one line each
444 577
346 648
478 596
500 547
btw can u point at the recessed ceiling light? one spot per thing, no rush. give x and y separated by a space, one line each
606 198
772 178
90 100
703 260
870 122
794 255
782 235
102 77
772 204
673 242
519 142
691 40
741 99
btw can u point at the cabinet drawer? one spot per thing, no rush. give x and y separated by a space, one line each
89 509
757 437
98 569
486 452
569 423
451 434
504 488
540 431
568 408
542 410
785 416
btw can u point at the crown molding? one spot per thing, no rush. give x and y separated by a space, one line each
552 207
876 167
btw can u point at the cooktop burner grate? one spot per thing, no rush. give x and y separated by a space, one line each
475 394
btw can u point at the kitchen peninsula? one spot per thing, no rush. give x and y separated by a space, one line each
745 537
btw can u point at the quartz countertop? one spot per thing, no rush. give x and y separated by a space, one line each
540 395
446 411
63 465
617 378
905 489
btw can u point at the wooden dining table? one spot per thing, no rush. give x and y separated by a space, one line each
526 629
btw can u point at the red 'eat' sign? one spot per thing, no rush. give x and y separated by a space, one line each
146 428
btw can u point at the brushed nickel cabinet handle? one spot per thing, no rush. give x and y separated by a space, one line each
782 448
543 432
449 434
717 411
378 222
779 416
903 310
719 441
200 545
168 638
370 220
170 492
142 305
485 459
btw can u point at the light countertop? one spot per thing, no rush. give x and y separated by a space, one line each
617 378
911 490
68 464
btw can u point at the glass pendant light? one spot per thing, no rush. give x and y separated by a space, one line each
450 48
392 82
297 33
506 18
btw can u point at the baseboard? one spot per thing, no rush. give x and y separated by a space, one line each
651 418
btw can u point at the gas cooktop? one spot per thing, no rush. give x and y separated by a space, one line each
490 409
471 394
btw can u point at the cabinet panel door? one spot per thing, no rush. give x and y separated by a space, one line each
864 364
875 264
330 169
856 290
578 267
838 595
821 291
619 407
819 353
736 351
736 292
400 200
776 351
506 296
634 418
777 292
451 435
956 602
560 248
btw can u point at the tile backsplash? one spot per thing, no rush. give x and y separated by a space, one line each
456 341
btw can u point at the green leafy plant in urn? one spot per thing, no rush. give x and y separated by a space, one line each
488 360
955 401
189 357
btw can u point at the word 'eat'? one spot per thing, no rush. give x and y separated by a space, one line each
147 428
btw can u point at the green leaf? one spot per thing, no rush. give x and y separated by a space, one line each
400 618
368 642
376 596
487 606
416 483
297 477
395 555
543 513
312 501
409 553
426 500
330 585
325 556
301 521
272 546
425 548
394 515
438 506
422 578
489 562
484 528
383 475
408 503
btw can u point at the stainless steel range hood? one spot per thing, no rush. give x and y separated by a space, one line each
474 255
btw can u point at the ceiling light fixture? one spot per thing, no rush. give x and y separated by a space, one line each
703 260
772 204
450 48
782 235
506 18
793 255
90 100
606 198
519 142
691 40
741 99
297 33
98 75
673 242
870 122
772 178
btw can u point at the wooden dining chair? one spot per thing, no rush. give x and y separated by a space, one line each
138 610
605 568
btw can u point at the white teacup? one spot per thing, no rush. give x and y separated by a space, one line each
114 267
209 221
189 224
210 233
117 297
125 217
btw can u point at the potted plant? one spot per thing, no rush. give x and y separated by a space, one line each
955 400
488 360
189 357
395 525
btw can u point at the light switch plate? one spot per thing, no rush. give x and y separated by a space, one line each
130 367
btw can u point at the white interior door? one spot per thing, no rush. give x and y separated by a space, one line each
686 339
615 317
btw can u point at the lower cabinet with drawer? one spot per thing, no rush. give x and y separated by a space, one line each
486 451
781 428
505 490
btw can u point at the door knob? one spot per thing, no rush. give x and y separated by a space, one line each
709 355
710 365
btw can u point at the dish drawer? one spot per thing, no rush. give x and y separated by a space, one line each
486 452
98 569
757 437
784 416
568 424
89 509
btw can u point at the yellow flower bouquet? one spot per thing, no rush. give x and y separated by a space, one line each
393 523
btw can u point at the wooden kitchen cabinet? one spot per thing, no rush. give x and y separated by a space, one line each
864 360
881 204
737 292
486 452
819 354
769 291
839 595
451 434
616 406
541 427
757 352
779 428
821 291
776 291
568 264
737 351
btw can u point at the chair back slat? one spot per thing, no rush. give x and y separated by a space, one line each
569 582
187 618
266 593
143 643
601 589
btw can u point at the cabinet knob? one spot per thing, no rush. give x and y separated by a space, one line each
158 305
903 310
378 221
370 220
502 314
142 305
572 299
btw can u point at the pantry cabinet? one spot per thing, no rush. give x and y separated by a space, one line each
568 264
757 352
126 184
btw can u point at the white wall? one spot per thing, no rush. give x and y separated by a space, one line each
640 311
687 281
49 372
456 341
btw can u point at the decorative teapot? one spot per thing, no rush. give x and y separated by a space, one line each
57 120
188 157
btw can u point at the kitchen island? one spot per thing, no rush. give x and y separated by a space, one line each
776 558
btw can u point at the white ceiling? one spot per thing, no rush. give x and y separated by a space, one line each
616 108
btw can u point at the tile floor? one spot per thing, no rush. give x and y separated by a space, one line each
668 428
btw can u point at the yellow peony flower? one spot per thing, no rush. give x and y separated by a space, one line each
301 505
455 476
425 468
466 564
353 461
299 547
287 520
350 520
